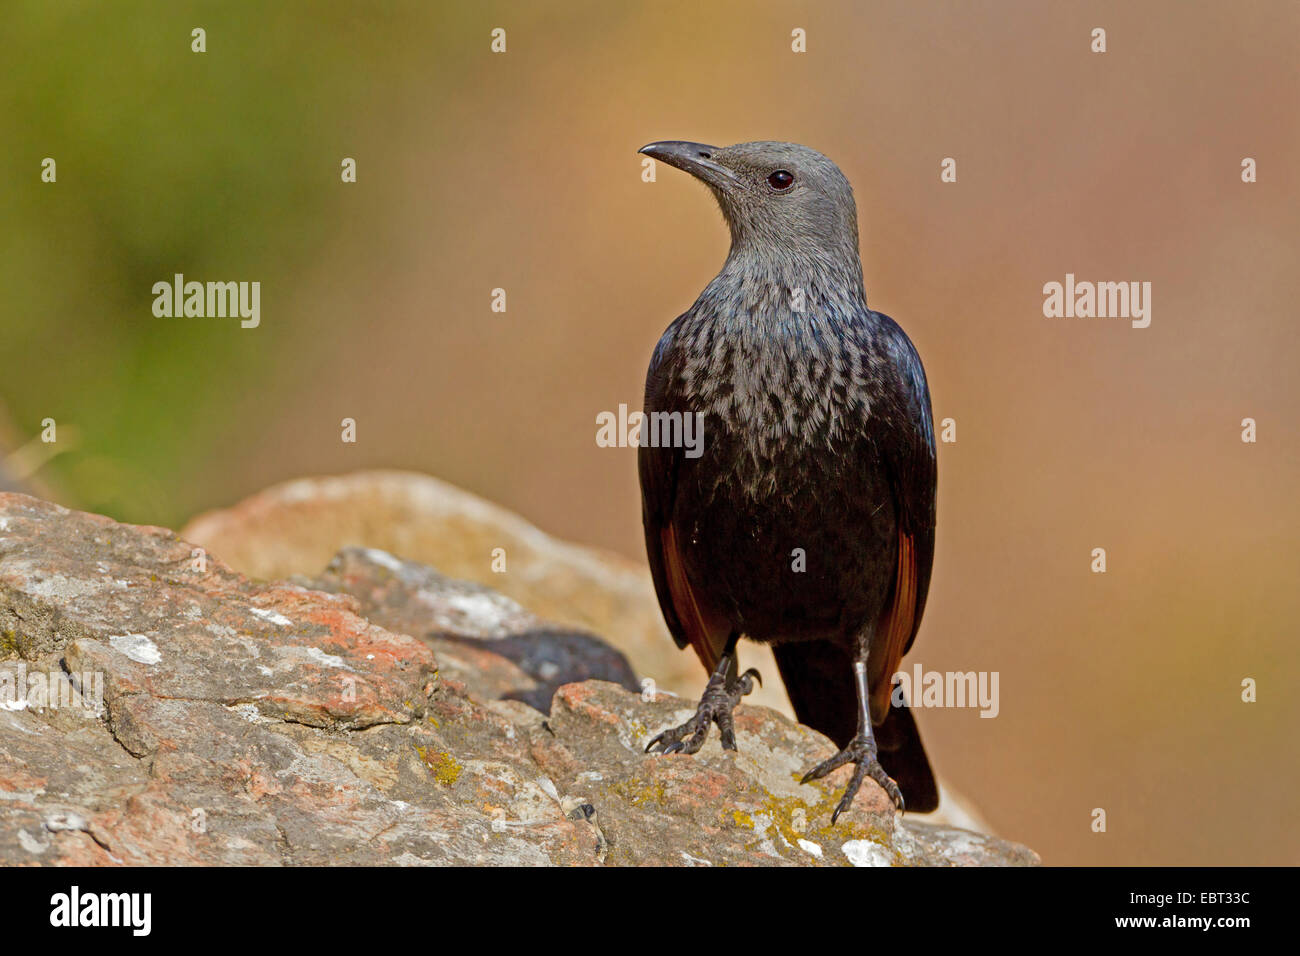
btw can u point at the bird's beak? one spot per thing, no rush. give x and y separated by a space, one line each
694 158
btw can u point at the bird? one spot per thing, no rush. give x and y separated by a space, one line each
805 518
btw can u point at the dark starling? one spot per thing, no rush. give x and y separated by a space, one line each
807 521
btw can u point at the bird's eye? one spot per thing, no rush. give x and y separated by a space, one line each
781 180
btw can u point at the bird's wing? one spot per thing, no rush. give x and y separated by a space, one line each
907 452
688 620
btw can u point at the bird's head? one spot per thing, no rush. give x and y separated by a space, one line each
778 198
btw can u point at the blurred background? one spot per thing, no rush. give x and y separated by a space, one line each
478 171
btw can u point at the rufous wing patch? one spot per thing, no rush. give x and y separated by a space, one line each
707 634
893 629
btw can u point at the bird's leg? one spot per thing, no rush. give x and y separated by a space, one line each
720 698
861 752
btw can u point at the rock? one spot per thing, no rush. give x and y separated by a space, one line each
293 529
296 527
242 722
173 711
728 809
472 629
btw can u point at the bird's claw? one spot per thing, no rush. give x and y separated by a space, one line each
716 707
672 740
861 752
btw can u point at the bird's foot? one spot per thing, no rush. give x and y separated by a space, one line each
719 700
861 752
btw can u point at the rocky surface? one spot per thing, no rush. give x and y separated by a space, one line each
482 639
158 707
296 527
293 529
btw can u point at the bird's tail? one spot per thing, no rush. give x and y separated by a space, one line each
818 676
903 756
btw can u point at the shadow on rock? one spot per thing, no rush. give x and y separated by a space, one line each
482 639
